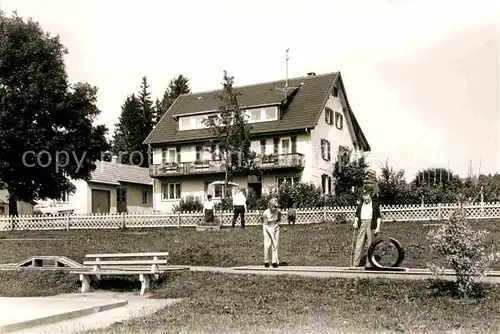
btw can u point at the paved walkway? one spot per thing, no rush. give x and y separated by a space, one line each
343 272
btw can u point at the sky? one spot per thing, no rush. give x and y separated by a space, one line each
422 77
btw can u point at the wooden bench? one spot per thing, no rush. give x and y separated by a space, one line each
147 266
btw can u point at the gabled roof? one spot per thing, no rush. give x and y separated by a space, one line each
302 110
116 173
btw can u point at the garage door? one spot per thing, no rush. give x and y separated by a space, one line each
100 201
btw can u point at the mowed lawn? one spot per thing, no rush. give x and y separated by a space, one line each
303 245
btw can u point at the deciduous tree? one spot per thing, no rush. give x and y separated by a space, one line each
40 111
232 133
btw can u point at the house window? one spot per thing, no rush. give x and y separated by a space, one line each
262 114
339 121
171 191
144 197
271 113
326 184
263 147
328 116
121 195
335 92
217 190
344 155
287 180
194 122
325 150
285 145
171 155
2 209
185 123
255 115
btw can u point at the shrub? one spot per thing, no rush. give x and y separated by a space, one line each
189 203
225 204
464 249
304 195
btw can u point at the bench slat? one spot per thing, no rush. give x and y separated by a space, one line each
126 262
126 255
117 273
122 272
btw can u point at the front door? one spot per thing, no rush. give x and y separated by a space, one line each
100 201
121 200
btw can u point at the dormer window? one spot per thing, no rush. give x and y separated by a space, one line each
193 122
266 114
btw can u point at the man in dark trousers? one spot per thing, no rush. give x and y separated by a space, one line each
239 207
368 222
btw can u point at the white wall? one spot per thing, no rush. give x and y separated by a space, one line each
79 201
316 165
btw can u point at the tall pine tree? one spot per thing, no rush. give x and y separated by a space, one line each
148 117
128 135
175 88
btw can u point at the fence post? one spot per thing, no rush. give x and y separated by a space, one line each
440 214
220 218
11 223
67 222
179 219
123 220
324 213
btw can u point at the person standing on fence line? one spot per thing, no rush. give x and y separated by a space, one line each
271 229
292 214
208 210
367 220
239 207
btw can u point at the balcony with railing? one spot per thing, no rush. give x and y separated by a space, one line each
267 162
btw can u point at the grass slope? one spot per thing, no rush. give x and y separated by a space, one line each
321 244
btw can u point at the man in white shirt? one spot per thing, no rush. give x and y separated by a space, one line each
239 207
368 222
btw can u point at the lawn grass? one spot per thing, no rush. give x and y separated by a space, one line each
303 245
26 283
224 303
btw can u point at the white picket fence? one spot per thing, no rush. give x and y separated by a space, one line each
191 219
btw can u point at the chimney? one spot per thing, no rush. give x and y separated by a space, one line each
114 159
311 74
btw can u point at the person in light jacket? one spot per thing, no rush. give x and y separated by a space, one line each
271 229
368 222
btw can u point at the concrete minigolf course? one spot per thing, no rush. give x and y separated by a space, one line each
21 313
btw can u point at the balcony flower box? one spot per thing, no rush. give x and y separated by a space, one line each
269 159
169 166
201 164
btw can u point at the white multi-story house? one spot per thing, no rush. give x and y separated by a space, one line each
297 136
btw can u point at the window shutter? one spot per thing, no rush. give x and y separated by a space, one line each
329 150
323 148
276 145
329 185
331 117
294 144
323 183
327 118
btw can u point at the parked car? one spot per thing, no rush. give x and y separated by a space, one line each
52 208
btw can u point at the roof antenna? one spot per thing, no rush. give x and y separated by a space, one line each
286 60
286 88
